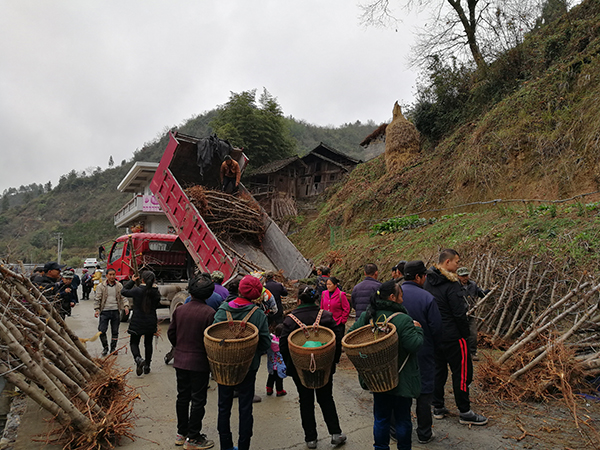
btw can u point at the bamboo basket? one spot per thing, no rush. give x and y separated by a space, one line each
312 364
374 354
230 347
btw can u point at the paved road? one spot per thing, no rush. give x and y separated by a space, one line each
277 420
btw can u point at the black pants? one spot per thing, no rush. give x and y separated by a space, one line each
424 418
472 341
192 387
456 355
113 318
86 291
245 396
307 408
229 185
275 380
134 343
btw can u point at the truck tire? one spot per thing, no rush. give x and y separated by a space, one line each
124 317
178 300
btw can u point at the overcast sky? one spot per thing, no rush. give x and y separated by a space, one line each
83 80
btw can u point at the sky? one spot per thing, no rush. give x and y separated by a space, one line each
81 81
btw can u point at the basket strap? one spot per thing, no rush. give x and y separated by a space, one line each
404 363
245 319
315 326
300 324
230 321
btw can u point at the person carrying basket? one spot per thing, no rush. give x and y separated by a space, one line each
242 308
386 306
307 313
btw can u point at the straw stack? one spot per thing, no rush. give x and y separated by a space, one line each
402 141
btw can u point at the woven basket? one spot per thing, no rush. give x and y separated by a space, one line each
230 348
312 364
375 356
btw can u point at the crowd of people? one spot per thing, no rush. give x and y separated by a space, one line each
427 306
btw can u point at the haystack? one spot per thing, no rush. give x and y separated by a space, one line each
402 141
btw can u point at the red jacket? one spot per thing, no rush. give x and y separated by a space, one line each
337 303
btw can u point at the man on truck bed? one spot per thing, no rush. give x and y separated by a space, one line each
230 175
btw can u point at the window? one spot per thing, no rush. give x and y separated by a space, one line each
159 246
317 178
116 252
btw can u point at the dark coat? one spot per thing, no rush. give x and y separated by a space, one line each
278 290
142 322
66 298
422 307
214 301
186 334
259 319
410 339
307 314
472 292
361 294
448 293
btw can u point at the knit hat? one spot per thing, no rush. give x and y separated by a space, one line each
67 274
217 276
201 286
250 288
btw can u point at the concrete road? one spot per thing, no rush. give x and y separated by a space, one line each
276 420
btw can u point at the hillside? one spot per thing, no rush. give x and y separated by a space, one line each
535 136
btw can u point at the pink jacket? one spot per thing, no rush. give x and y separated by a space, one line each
337 303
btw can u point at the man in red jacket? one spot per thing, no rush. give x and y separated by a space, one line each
186 333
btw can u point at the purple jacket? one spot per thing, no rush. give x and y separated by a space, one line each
186 333
221 290
361 294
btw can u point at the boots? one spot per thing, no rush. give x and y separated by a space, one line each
113 345
139 366
104 341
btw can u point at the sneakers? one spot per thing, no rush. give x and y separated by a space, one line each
139 366
198 444
179 439
269 391
311 444
146 369
471 418
440 413
338 439
281 393
104 351
256 399
427 441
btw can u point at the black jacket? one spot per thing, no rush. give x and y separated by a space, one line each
307 314
448 293
142 322
278 290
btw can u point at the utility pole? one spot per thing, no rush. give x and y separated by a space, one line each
58 236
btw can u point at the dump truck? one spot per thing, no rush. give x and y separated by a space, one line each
175 257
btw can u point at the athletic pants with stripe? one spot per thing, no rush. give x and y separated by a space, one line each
456 355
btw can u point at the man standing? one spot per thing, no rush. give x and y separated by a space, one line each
47 282
108 304
362 292
230 175
86 284
471 293
278 290
66 293
422 307
442 282
186 334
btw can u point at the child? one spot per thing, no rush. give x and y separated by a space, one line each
275 365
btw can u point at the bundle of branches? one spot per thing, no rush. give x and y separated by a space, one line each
42 357
229 215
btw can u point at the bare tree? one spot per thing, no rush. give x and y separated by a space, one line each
473 30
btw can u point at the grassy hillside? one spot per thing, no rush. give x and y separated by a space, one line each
535 135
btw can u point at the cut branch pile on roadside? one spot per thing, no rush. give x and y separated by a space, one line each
42 357
227 214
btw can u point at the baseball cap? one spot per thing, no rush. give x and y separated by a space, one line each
413 268
52 265
462 271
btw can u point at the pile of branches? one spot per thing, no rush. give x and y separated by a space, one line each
540 318
43 358
229 215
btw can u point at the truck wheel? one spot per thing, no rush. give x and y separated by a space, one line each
124 317
177 301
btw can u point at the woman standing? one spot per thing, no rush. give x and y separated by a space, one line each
146 299
307 312
335 301
387 302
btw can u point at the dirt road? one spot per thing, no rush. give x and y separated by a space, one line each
277 420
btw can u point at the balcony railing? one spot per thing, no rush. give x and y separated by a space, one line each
138 205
